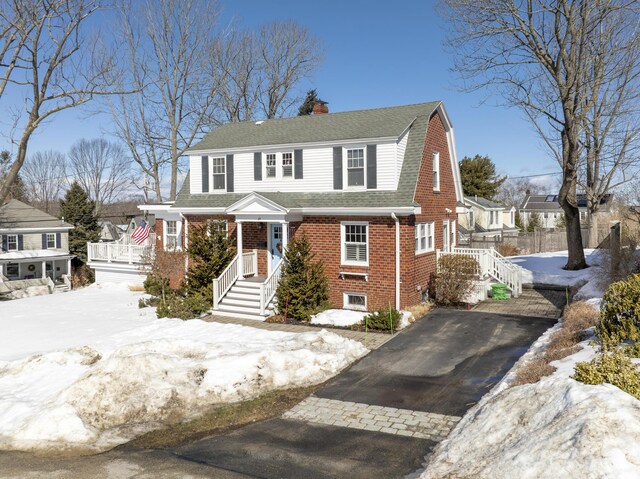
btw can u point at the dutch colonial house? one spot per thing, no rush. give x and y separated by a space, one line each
375 191
34 244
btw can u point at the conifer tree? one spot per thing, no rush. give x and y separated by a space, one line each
478 177
518 221
303 288
77 209
534 222
210 252
307 105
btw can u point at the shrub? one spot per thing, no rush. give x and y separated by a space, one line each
183 307
455 278
210 252
532 372
620 312
632 351
385 319
611 367
81 276
508 249
156 285
303 289
579 316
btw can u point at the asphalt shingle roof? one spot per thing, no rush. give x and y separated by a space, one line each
484 202
16 214
362 124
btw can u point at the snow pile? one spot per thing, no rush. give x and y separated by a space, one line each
546 268
338 317
346 317
142 373
554 428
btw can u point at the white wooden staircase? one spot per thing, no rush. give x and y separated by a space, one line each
245 295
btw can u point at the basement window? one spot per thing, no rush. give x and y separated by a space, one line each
356 301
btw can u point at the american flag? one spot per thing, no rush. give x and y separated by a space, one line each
141 233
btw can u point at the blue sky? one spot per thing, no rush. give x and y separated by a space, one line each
375 54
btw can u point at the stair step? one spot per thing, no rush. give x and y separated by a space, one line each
227 301
234 314
241 295
248 284
245 308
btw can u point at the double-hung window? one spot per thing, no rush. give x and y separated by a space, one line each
218 173
271 165
12 242
287 165
355 167
171 235
424 237
355 243
51 240
435 156
218 226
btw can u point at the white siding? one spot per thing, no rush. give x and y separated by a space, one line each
400 149
133 278
317 170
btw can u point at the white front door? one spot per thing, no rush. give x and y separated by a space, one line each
275 236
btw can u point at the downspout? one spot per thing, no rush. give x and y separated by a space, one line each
395 218
186 241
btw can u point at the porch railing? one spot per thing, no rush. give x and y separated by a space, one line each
124 250
222 284
268 288
493 264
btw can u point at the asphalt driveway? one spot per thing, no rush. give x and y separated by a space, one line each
438 368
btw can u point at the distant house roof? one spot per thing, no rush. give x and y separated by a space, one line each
483 202
109 231
388 122
15 214
550 202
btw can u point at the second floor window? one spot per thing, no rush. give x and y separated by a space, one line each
271 165
287 165
355 167
51 240
12 242
218 172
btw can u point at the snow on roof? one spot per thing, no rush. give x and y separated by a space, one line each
34 253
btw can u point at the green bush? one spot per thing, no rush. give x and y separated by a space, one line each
455 278
303 289
385 319
632 351
210 252
620 312
611 367
156 285
183 307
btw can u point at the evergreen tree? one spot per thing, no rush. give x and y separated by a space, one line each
535 222
303 288
478 175
518 221
210 252
77 208
561 221
307 106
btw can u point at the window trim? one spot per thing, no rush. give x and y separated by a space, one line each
282 164
452 234
223 174
435 159
429 227
216 222
345 167
278 166
343 243
9 236
446 239
177 235
49 242
346 305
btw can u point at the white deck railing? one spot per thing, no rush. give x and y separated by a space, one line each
125 250
493 264
222 284
268 288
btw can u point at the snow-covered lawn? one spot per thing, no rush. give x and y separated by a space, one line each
555 428
546 268
89 370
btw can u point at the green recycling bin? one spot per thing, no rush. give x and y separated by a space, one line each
499 291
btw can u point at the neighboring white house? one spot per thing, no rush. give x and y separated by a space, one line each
34 244
549 211
485 219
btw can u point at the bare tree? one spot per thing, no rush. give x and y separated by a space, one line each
59 66
44 179
102 169
537 54
513 191
170 48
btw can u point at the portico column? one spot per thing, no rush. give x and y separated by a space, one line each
239 246
285 236
44 269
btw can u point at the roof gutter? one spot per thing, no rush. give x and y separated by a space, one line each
395 218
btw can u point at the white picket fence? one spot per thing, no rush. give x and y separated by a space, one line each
492 264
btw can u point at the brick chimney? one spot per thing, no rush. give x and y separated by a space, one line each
320 107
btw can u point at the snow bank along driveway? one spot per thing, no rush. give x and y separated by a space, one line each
88 370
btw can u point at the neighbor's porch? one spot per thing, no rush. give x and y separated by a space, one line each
24 267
